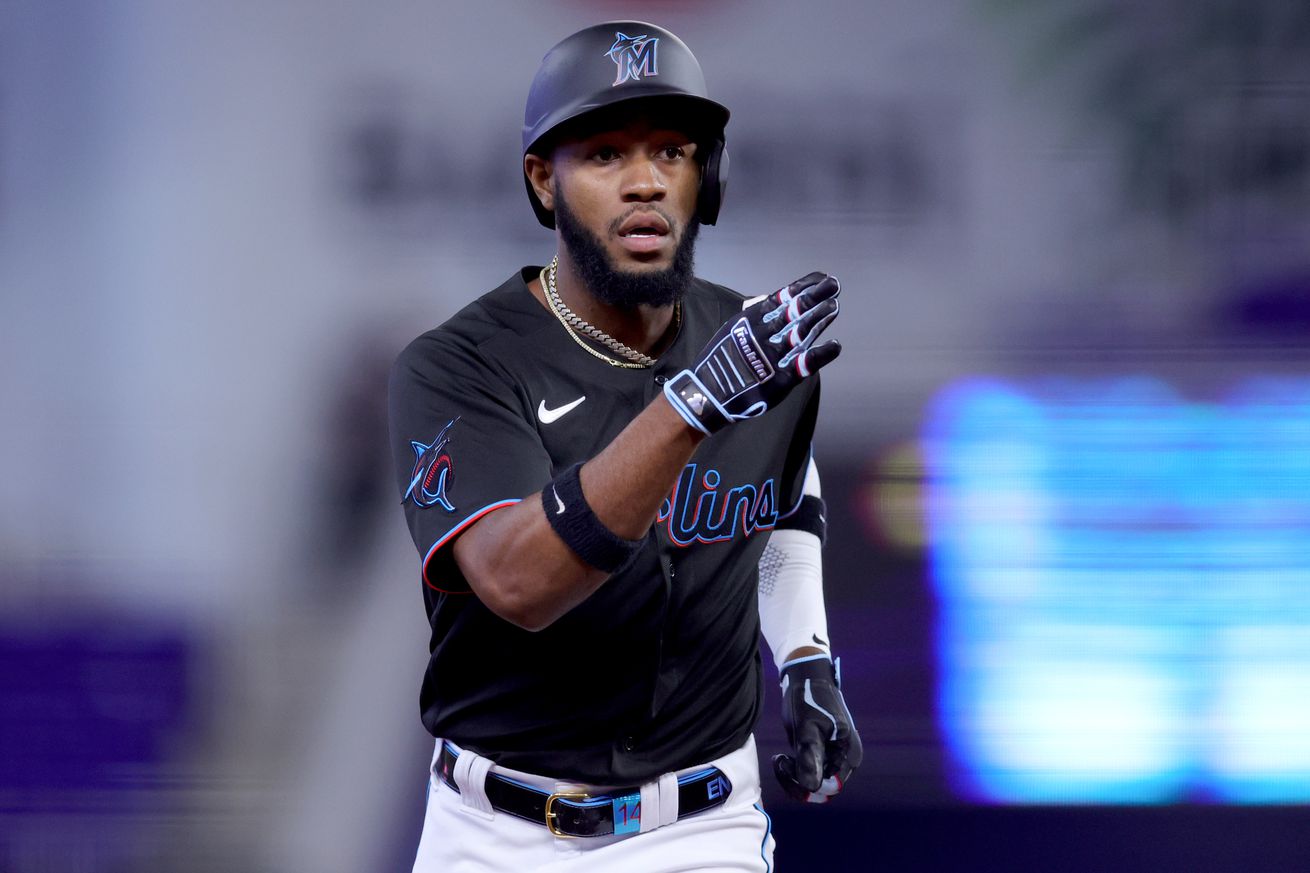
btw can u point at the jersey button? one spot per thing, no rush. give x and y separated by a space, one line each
629 743
660 378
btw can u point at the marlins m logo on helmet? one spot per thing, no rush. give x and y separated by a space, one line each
634 56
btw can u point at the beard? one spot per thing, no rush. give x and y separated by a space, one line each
620 288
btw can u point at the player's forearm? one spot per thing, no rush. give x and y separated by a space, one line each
521 570
517 564
626 483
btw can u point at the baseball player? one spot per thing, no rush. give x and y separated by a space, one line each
605 465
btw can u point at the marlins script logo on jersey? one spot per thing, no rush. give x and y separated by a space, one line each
634 56
699 510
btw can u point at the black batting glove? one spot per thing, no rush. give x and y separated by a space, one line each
819 726
756 358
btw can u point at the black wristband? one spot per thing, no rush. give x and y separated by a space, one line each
573 521
810 517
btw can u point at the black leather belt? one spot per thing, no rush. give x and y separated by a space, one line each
578 814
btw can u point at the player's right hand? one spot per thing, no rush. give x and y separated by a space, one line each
758 357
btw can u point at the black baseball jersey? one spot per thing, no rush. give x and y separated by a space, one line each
659 668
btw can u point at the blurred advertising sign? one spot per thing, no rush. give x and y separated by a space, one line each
1124 584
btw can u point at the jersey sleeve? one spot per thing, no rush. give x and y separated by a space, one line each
798 455
462 448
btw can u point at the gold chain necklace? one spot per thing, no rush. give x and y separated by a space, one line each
575 324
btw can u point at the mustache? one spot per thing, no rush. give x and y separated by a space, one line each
674 229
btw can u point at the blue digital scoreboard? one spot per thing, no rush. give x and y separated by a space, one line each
1123 576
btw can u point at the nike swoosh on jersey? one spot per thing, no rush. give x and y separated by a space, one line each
549 415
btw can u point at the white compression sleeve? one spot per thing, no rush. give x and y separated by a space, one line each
792 613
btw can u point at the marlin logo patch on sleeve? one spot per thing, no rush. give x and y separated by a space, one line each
433 473
634 56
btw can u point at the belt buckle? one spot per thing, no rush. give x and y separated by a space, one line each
552 816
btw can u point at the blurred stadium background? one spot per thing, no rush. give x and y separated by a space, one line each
1067 449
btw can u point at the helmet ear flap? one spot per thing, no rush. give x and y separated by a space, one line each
713 183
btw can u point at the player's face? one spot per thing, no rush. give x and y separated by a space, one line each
633 188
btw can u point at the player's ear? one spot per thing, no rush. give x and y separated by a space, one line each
540 173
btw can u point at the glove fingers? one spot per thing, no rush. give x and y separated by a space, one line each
798 286
824 290
846 747
803 294
838 761
852 750
784 770
842 773
802 333
810 360
836 777
845 754
815 322
812 296
810 749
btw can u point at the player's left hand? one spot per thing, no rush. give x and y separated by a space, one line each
826 746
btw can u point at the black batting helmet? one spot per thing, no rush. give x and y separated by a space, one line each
611 63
